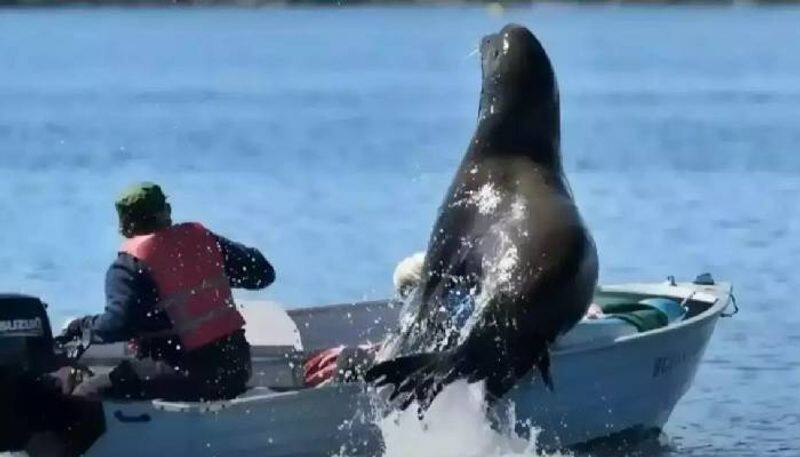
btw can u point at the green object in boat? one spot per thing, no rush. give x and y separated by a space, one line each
648 314
674 310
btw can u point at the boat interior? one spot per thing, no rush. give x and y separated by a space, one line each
283 339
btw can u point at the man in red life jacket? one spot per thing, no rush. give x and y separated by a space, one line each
168 293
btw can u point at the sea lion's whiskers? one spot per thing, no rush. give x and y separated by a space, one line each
472 53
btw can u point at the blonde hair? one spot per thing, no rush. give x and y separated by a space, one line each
408 274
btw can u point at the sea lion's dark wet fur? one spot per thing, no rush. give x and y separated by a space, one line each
514 155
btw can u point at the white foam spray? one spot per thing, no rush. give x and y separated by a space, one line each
455 425
487 199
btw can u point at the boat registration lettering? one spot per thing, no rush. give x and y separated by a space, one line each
665 364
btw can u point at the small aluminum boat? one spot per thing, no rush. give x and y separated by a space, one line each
609 377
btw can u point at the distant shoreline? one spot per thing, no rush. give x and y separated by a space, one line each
341 3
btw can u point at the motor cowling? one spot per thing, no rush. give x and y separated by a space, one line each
31 404
26 339
26 354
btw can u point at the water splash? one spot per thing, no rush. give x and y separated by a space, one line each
518 209
500 269
487 199
456 424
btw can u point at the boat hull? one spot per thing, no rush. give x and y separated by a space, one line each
607 381
312 422
632 384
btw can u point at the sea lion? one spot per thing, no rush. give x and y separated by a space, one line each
510 265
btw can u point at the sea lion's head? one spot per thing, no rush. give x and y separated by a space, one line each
519 106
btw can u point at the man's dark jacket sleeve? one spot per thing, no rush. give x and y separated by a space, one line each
131 293
245 267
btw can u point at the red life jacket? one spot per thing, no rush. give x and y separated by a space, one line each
187 265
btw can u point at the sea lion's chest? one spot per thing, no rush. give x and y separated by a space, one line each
498 198
490 231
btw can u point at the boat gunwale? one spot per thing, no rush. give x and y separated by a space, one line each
718 298
108 355
720 292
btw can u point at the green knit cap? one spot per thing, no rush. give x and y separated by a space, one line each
140 201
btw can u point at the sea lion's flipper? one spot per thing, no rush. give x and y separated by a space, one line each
504 368
396 370
421 377
417 377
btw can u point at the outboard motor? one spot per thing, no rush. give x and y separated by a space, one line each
30 400
26 353
26 340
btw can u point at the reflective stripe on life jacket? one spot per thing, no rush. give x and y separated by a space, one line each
187 265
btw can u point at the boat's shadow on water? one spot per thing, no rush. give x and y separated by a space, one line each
631 443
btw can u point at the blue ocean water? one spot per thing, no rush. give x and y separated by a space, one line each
327 137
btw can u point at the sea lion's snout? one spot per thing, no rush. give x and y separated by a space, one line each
513 49
510 37
490 52
518 83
